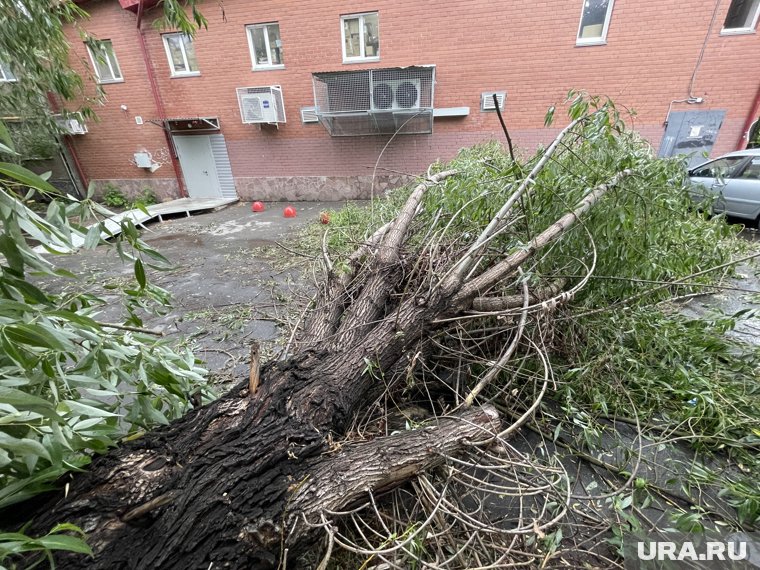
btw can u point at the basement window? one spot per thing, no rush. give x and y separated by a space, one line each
181 54
104 61
6 75
742 17
361 37
265 45
595 19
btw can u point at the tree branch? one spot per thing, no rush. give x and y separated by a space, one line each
487 304
343 480
506 266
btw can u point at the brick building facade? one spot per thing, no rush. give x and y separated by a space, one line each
646 55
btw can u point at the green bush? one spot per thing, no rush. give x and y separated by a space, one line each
115 198
146 197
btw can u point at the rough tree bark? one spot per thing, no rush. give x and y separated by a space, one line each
230 484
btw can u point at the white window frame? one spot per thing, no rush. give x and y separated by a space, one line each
117 77
362 46
174 72
6 75
601 40
738 31
262 66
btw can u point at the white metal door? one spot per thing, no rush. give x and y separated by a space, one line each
198 167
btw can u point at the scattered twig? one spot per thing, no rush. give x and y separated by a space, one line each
155 332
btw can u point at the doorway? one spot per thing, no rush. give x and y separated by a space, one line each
205 166
692 133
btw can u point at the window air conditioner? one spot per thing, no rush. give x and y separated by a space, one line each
396 94
261 105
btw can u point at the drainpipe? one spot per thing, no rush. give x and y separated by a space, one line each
751 118
77 164
158 101
70 150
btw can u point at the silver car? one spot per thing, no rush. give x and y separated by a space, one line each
730 184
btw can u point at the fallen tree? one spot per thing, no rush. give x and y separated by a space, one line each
258 477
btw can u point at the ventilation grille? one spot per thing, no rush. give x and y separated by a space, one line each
261 104
309 115
375 101
486 100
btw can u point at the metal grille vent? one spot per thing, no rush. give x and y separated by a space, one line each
375 101
486 100
261 104
309 115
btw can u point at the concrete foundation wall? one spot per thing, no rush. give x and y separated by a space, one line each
316 188
165 188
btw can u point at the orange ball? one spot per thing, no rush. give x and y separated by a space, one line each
289 212
257 207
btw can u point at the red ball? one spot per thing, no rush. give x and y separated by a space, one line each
289 212
257 207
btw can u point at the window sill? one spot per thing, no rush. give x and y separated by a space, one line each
591 42
360 60
110 81
181 75
737 31
267 67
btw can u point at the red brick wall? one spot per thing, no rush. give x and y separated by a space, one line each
525 48
106 151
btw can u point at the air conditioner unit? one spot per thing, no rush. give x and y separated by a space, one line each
396 94
261 105
71 126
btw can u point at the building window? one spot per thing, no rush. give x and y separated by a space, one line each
104 61
6 75
595 19
361 37
181 53
266 45
742 16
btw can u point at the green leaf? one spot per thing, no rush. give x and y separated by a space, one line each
92 239
549 117
26 177
23 446
65 542
23 401
29 291
85 410
140 273
36 335
12 254
5 137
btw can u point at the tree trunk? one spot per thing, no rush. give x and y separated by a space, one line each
221 484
